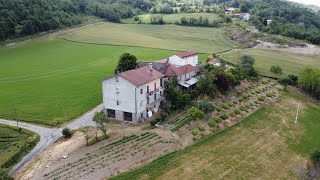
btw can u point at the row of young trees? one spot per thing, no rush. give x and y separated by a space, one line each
25 17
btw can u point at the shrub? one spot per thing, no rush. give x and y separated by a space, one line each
201 128
206 106
261 98
240 100
66 132
218 120
136 18
258 91
194 132
195 113
247 106
225 106
224 116
212 123
252 104
270 94
242 108
237 112
230 104
219 109
232 114
235 102
245 96
315 157
257 102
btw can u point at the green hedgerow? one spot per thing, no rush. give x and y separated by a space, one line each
201 128
194 132
237 111
212 123
224 116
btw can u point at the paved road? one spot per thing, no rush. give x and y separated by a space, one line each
49 135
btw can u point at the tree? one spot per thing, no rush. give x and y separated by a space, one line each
222 83
246 62
206 86
310 81
285 82
195 113
206 106
276 70
87 134
244 8
4 174
166 9
101 120
126 62
66 132
294 79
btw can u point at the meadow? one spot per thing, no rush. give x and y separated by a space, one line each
291 63
265 145
51 82
14 144
173 37
173 18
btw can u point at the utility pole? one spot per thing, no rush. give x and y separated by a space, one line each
16 114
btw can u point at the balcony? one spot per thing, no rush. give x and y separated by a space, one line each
151 93
150 105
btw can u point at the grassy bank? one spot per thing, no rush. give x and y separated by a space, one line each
15 143
265 145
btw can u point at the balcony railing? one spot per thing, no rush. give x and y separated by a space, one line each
151 93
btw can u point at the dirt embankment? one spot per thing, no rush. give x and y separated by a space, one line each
307 49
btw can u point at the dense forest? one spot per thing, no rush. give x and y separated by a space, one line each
26 17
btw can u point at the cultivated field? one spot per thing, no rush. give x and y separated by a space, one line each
51 82
266 145
200 39
173 18
265 58
14 144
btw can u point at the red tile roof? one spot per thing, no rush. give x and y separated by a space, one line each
141 75
187 54
178 71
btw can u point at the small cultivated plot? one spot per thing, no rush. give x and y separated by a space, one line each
265 145
14 144
106 159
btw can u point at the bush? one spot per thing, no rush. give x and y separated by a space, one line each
224 116
66 132
201 128
252 104
235 102
247 106
136 18
258 91
195 113
194 132
261 98
237 112
245 96
315 157
225 106
230 104
206 106
232 114
270 94
219 109
242 108
218 120
4 174
212 123
240 100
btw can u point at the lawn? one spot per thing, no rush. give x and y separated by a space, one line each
14 144
266 145
173 37
54 81
173 18
265 58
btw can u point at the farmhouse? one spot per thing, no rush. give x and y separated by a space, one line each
137 94
133 95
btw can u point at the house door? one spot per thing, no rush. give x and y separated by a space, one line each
127 116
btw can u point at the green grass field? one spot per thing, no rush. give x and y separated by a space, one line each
173 37
265 58
266 145
54 81
173 18
14 144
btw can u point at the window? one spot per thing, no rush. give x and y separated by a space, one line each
147 89
155 96
148 100
141 91
155 86
117 79
118 103
161 82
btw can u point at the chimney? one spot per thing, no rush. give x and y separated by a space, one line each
151 69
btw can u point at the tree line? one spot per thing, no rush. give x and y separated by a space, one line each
26 17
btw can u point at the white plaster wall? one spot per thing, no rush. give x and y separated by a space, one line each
177 61
126 96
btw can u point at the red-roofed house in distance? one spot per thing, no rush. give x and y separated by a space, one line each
134 95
